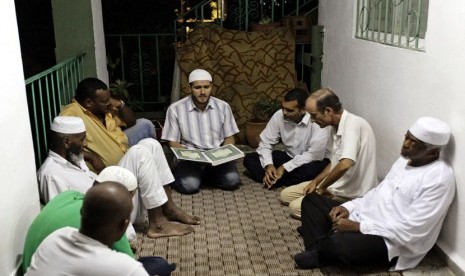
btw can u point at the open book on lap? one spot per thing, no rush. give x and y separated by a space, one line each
215 157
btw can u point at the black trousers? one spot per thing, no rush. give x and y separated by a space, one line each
303 173
346 248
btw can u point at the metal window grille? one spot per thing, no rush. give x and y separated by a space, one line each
400 23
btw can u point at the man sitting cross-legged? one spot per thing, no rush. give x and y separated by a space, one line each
396 223
105 215
203 122
304 141
352 170
64 169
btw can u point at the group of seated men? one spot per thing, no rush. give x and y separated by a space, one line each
347 218
329 160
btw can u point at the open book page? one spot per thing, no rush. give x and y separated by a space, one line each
215 157
190 155
224 154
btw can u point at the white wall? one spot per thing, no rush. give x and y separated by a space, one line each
392 87
19 201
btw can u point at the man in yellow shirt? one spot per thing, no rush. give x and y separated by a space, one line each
106 144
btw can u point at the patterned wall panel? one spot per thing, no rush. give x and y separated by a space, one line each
244 65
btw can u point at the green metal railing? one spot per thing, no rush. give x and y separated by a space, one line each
47 92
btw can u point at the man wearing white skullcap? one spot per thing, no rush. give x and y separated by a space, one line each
201 121
394 224
104 216
65 210
65 169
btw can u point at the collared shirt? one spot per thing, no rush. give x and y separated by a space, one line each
407 209
197 129
57 175
108 141
354 140
68 252
63 210
304 141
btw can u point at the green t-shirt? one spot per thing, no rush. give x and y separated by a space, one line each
64 210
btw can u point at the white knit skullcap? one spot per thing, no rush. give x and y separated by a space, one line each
68 125
120 175
431 130
199 74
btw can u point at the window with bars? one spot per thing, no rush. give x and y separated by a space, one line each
400 23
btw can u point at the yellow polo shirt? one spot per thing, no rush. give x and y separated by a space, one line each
110 143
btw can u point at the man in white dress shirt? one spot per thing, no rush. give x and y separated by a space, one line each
65 169
352 147
105 213
394 224
305 143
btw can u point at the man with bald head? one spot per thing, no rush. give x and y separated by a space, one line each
352 170
65 210
105 213
394 224
203 122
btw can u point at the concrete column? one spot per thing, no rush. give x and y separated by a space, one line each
79 28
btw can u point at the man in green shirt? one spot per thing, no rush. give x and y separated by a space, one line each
64 210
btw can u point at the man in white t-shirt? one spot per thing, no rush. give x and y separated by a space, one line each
394 224
105 213
352 171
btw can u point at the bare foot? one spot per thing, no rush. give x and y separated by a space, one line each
174 213
168 229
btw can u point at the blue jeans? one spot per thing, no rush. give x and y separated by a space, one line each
190 175
142 129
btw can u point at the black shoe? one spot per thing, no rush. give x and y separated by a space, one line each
307 260
300 230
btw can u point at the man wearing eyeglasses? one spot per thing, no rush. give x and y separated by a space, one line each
201 121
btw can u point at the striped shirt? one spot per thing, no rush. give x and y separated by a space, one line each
197 129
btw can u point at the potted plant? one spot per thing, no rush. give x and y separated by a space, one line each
262 110
265 24
119 90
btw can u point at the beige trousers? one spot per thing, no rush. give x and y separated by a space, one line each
293 196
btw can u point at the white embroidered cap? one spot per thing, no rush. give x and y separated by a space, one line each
120 175
199 74
68 125
431 130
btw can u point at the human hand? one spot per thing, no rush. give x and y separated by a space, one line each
311 186
270 177
115 104
338 212
345 225
94 161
